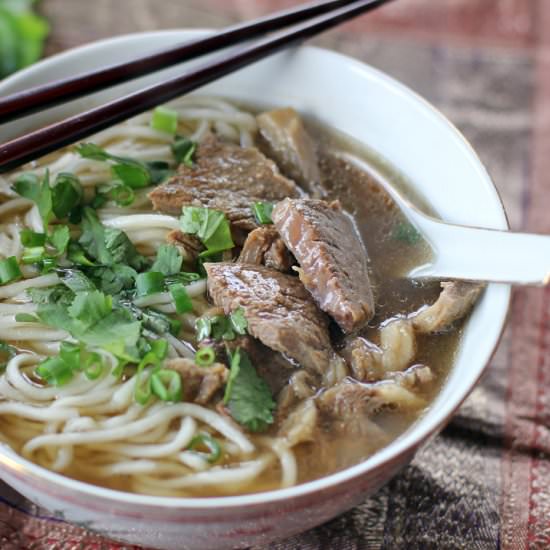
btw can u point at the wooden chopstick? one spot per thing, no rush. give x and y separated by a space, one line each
45 140
41 97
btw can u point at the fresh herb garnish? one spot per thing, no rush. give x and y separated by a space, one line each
164 120
204 357
221 327
168 260
182 301
213 450
210 226
130 172
247 395
183 150
9 270
66 194
262 212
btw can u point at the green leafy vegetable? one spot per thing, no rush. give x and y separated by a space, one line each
22 35
66 194
27 185
247 395
54 371
168 260
181 299
238 321
210 226
262 212
221 327
9 270
60 238
26 318
30 238
183 150
149 283
165 120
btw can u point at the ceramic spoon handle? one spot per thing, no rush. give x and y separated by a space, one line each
484 254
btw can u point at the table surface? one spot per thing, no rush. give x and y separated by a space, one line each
481 484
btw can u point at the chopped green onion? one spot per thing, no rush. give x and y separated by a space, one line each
26 318
165 120
70 353
9 270
238 321
262 212
30 238
183 150
122 194
54 371
119 369
203 328
204 440
142 389
33 255
205 356
48 265
166 385
159 348
149 282
93 366
181 299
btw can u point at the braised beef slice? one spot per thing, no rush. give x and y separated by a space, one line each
332 258
224 177
200 384
264 246
455 301
279 310
284 138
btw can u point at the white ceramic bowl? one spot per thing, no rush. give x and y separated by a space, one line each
375 109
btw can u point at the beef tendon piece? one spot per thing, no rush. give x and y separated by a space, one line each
455 301
332 258
301 424
398 343
200 384
284 139
364 358
264 246
224 177
279 310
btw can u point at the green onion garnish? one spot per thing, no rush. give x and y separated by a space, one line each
93 366
181 298
55 371
165 120
122 194
30 238
262 212
149 283
33 255
48 265
204 440
142 389
203 328
238 321
183 150
9 270
166 385
205 356
26 318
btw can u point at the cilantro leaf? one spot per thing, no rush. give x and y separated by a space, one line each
210 226
238 321
28 186
66 194
113 279
90 307
60 238
247 395
76 281
168 260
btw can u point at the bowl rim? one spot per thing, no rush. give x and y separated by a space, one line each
407 442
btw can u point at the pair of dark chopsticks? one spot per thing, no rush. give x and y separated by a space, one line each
309 20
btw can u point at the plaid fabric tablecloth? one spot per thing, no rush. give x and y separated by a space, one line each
483 483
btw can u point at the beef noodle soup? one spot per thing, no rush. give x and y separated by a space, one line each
187 307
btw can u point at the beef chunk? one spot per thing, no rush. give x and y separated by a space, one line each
332 258
189 246
264 246
456 299
200 384
278 309
353 405
364 359
301 424
224 177
285 140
